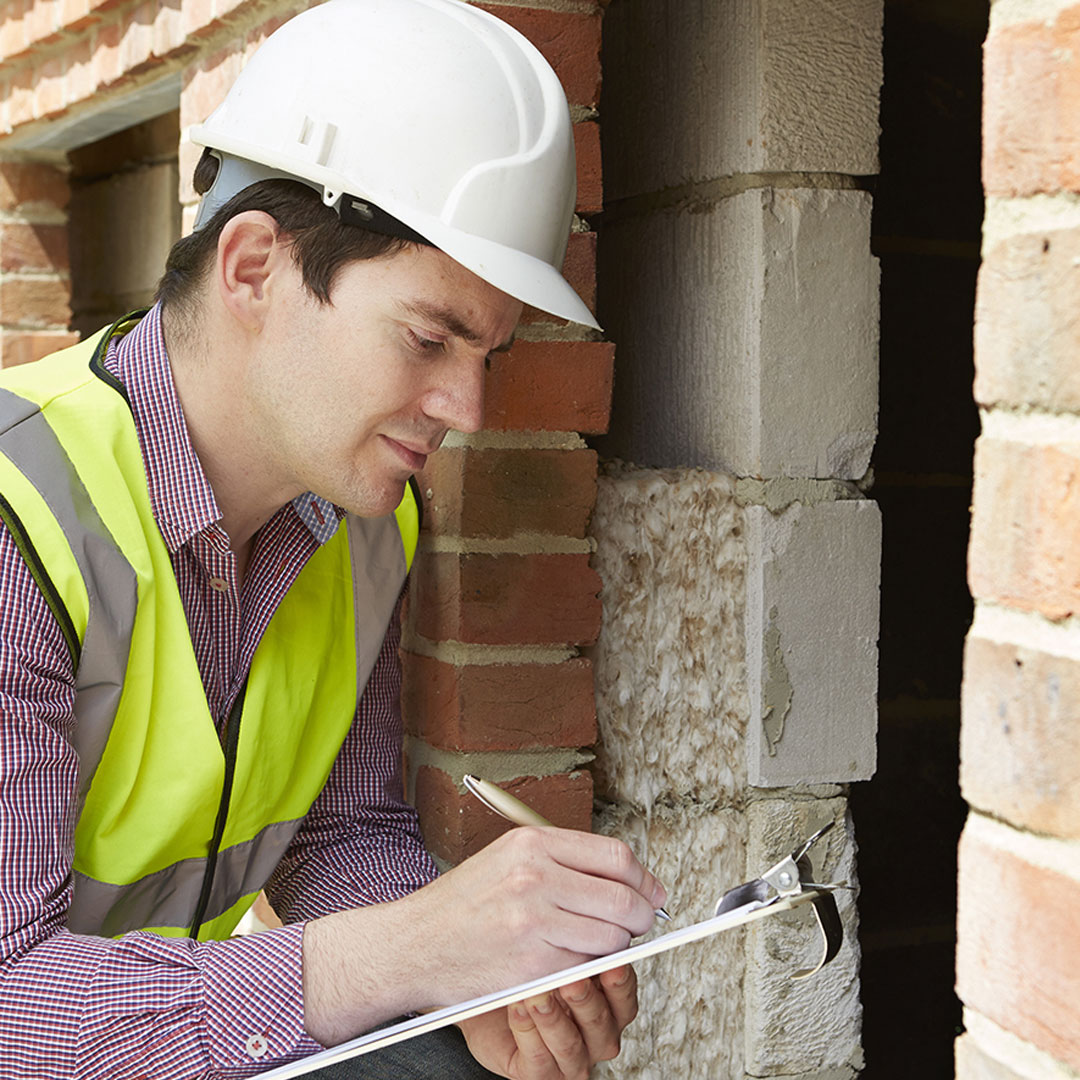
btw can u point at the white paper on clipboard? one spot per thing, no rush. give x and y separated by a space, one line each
421 1025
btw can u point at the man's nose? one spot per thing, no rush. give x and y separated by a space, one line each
458 401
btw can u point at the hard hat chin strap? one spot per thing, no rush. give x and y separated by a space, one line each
235 174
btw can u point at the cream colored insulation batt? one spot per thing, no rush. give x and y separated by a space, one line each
672 707
669 665
690 1020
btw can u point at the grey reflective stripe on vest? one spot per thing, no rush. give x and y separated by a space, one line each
379 570
168 898
31 445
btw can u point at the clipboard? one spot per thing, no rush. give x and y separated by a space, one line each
748 912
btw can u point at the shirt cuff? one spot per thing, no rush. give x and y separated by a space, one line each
255 1001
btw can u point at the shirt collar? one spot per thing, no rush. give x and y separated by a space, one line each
182 500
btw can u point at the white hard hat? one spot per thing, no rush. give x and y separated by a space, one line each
430 111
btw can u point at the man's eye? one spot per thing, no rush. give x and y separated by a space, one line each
424 344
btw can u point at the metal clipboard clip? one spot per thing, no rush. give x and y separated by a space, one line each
789 877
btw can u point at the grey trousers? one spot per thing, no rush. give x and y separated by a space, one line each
440 1055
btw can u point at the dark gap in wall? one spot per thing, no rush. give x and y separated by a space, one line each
928 211
123 218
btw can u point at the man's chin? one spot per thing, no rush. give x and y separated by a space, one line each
373 504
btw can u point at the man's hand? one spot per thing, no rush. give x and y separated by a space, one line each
532 902
556 1036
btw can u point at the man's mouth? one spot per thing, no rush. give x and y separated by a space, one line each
414 454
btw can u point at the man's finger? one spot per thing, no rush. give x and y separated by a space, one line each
595 1019
620 988
549 1042
602 856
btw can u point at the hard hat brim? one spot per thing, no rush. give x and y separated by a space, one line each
517 273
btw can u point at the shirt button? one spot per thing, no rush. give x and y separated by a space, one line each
219 584
256 1046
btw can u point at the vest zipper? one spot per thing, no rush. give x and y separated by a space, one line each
232 742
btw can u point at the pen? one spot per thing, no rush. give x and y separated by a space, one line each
513 809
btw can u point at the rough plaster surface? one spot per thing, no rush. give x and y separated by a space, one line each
802 1026
669 671
696 90
811 643
748 337
690 1020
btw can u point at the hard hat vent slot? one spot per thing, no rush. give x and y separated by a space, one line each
319 142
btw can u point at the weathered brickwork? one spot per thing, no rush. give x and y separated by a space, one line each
1019 948
35 286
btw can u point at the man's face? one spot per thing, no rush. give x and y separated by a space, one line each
353 395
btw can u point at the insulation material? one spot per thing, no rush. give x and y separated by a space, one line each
690 1020
669 665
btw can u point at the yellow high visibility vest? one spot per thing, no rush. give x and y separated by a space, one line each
176 832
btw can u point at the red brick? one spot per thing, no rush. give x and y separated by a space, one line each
507 599
168 30
1027 337
499 493
199 17
23 348
456 824
499 706
13 28
551 386
1032 107
34 302
33 247
1023 549
81 77
137 43
1018 948
26 187
98 7
41 20
590 186
1017 703
579 269
76 14
570 42
105 61
206 84
20 99
50 91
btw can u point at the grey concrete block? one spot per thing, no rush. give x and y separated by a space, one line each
817 374
696 90
747 332
811 643
668 667
690 1022
806 1026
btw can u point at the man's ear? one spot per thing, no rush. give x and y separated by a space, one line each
250 250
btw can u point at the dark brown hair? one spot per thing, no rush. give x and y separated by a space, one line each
321 243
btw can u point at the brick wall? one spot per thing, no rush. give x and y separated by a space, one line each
35 287
503 595
1019 939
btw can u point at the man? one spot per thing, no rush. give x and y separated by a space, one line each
207 529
